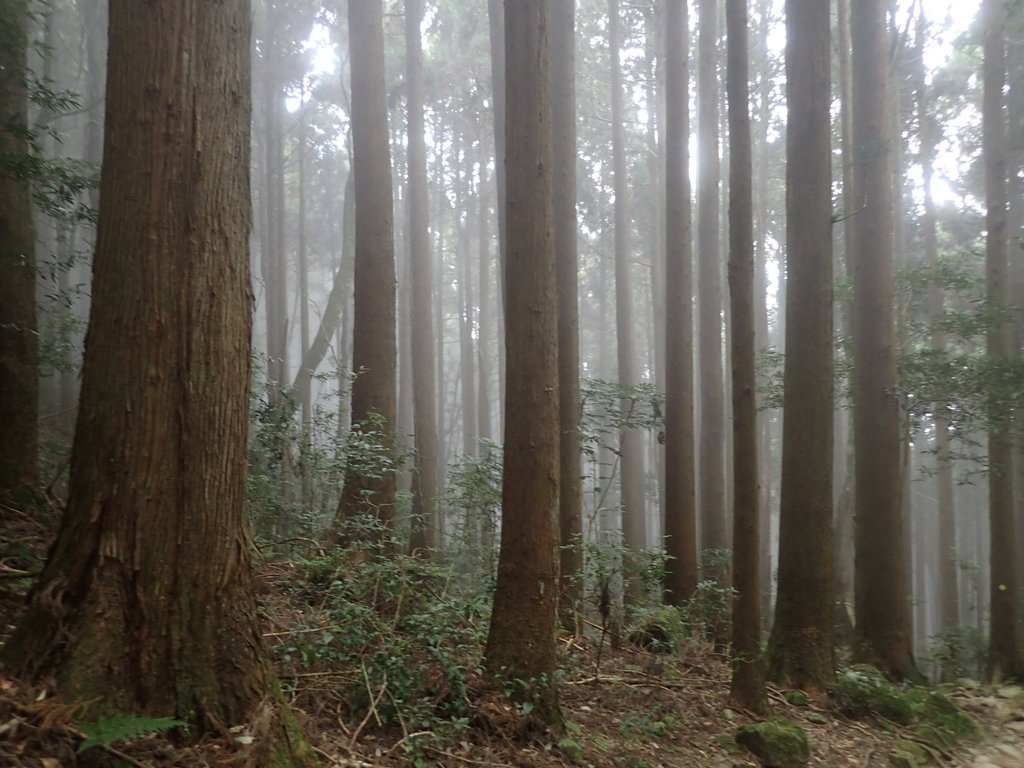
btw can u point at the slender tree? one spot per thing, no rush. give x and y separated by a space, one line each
1003 653
563 116
424 485
631 463
521 640
747 675
374 347
145 604
881 603
19 344
680 517
801 648
947 582
709 260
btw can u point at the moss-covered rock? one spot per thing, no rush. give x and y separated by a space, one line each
909 755
862 690
777 743
939 720
797 698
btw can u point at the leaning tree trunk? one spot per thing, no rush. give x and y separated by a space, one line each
146 604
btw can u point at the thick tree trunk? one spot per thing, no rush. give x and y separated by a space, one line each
19 345
374 347
747 685
882 607
145 604
801 648
680 510
521 640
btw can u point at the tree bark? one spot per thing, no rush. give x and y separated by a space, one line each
631 467
801 650
145 604
747 686
712 386
680 511
1003 653
881 602
563 117
19 344
374 347
424 488
521 641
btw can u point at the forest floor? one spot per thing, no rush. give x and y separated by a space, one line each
624 709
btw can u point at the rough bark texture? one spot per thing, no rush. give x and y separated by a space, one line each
563 115
521 640
712 386
1003 658
680 503
881 603
631 465
747 686
801 648
374 347
145 604
424 486
19 342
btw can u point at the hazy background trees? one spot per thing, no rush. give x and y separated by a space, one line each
638 261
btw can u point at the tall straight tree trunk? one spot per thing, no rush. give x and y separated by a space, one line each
486 332
947 556
843 439
374 347
631 469
680 516
563 118
747 686
19 345
881 603
424 486
467 369
521 640
712 407
145 604
1003 653
801 648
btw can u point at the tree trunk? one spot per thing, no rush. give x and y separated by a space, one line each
881 604
1003 654
19 344
631 470
521 640
801 648
680 510
424 489
563 117
947 585
747 685
145 604
712 406
373 344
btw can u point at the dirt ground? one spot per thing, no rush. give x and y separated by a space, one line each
623 709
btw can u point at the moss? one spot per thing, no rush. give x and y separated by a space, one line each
797 698
909 755
939 720
862 690
777 743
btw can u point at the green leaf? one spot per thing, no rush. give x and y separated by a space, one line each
108 730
